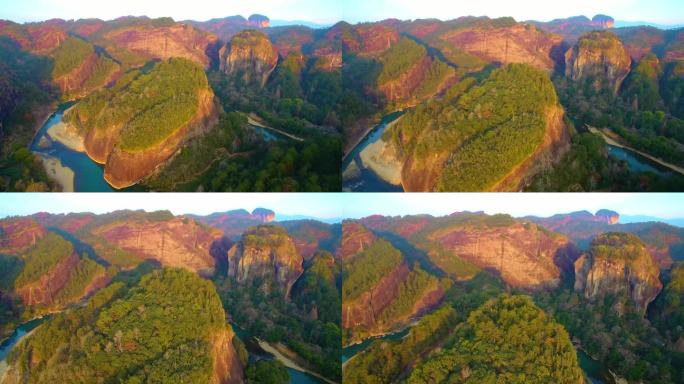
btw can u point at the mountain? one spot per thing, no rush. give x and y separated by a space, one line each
170 312
185 277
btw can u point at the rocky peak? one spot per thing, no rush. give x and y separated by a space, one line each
249 55
265 215
603 21
259 21
618 264
266 252
600 57
608 216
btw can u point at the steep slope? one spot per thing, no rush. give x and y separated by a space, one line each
268 254
126 239
169 327
137 125
52 275
310 236
600 59
380 292
234 223
17 235
618 265
467 142
250 56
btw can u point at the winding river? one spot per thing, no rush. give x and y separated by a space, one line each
365 179
18 334
88 176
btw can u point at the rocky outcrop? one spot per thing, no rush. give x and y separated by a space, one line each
523 254
311 236
518 43
362 311
618 264
258 21
607 216
267 253
263 214
176 242
250 56
355 238
125 168
598 57
603 21
226 362
18 235
44 291
164 42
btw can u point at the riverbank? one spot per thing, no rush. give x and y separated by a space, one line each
380 157
67 135
368 131
64 176
613 140
285 356
252 121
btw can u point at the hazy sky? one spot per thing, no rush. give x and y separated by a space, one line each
330 11
348 205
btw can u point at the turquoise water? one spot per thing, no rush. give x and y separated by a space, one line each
88 175
256 353
638 163
19 334
368 181
353 350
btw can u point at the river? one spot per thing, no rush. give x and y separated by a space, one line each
18 334
88 175
638 163
365 180
257 353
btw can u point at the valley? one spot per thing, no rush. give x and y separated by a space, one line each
487 104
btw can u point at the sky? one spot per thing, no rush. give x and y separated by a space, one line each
331 11
348 205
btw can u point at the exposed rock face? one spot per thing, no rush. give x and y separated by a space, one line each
523 254
249 55
43 291
618 264
311 236
176 242
362 311
519 43
227 366
369 39
598 56
124 168
234 223
17 235
259 21
608 216
355 238
177 40
265 215
266 252
603 21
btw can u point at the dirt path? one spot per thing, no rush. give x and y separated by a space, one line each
614 142
287 361
251 121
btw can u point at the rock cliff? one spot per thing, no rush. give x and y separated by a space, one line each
163 41
618 264
18 235
250 56
598 57
524 255
355 238
266 252
175 242
124 168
